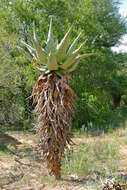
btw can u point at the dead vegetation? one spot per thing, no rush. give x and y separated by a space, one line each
54 99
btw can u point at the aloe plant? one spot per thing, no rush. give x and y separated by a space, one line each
52 95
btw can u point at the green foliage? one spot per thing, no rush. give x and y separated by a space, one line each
101 91
16 83
100 81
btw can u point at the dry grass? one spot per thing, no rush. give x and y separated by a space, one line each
86 165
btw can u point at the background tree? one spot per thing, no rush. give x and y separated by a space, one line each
15 84
100 22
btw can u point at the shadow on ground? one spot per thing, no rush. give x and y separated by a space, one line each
7 139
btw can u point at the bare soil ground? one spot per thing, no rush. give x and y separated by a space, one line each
21 167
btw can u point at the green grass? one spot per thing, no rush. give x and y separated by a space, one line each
96 157
93 162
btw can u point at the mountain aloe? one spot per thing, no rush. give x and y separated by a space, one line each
52 95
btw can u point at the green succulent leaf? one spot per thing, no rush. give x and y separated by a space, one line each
30 49
85 55
69 62
40 52
72 59
55 57
72 68
52 63
50 40
77 60
62 47
80 47
72 47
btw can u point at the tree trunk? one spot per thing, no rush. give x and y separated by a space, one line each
116 100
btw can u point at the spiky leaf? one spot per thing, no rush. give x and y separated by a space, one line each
62 47
85 55
50 40
80 47
30 49
69 62
52 63
40 52
72 59
72 68
73 45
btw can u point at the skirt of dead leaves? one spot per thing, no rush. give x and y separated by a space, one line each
54 104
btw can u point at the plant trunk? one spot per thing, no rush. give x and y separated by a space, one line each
54 104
